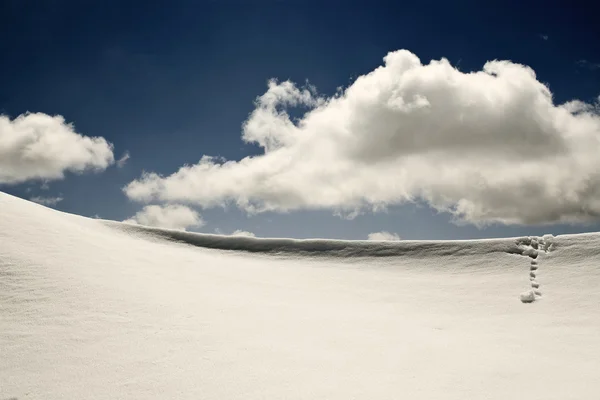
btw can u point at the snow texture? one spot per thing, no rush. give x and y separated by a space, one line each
91 309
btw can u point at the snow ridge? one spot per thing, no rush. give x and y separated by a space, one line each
325 247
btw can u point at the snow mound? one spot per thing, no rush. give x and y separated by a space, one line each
93 309
528 297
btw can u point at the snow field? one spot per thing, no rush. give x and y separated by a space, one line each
101 310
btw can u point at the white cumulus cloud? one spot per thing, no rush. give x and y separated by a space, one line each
486 146
172 216
40 146
383 235
239 232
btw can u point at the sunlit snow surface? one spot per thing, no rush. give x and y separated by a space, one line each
98 310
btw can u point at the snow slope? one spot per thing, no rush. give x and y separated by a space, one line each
93 309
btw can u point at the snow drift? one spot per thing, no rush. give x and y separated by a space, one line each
336 248
103 310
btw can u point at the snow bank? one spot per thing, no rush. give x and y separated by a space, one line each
328 247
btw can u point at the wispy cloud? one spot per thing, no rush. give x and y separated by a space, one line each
588 65
47 201
543 37
123 160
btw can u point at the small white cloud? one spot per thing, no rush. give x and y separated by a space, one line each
486 146
123 160
39 146
172 216
543 37
243 233
46 201
383 235
237 232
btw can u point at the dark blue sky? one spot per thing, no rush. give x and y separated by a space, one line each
171 81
